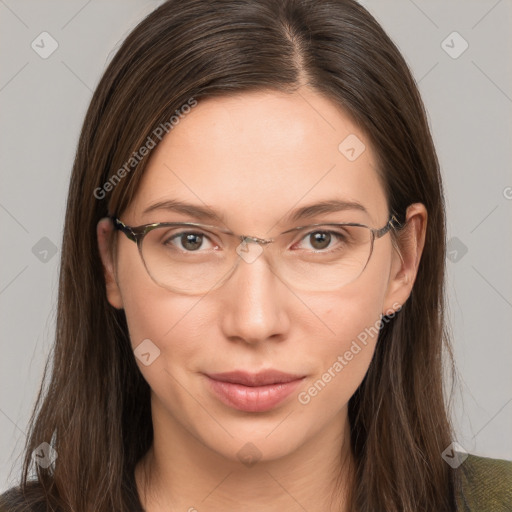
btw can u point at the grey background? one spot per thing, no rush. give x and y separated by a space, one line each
469 101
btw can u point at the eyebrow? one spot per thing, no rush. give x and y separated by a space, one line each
308 211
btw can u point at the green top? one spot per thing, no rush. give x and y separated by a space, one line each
486 486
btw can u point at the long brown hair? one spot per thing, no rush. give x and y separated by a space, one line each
93 407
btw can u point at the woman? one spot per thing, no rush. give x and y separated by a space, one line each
251 293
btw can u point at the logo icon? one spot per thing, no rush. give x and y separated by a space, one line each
44 455
146 352
454 455
454 45
352 147
44 250
249 454
44 45
455 249
249 252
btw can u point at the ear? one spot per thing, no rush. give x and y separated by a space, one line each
406 258
104 232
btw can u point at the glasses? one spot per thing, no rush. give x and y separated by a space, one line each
191 258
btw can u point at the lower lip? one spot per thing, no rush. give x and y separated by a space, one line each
252 399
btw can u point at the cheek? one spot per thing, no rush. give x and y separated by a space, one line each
177 344
170 322
165 323
351 323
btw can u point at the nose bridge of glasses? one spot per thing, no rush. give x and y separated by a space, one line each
251 247
255 239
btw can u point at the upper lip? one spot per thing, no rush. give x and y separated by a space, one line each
262 378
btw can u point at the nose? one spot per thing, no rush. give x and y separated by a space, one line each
254 301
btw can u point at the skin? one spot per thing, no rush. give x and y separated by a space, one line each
252 158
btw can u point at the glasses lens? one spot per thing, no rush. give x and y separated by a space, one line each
327 257
193 260
185 259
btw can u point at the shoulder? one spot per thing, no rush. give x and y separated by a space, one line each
485 484
15 500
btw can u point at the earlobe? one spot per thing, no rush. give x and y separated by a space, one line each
406 257
104 232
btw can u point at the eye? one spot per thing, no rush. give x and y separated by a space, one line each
321 239
188 241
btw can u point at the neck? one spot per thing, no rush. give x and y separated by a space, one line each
181 473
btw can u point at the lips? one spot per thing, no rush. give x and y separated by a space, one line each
253 392
255 379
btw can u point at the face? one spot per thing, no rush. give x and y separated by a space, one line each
253 159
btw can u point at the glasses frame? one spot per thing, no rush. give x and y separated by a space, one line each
137 234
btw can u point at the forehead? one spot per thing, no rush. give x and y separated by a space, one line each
255 157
